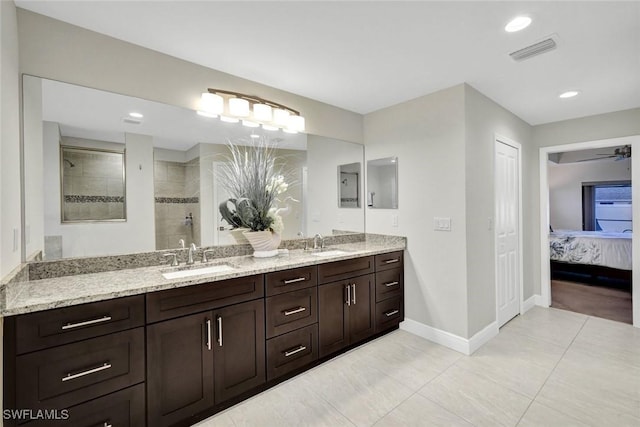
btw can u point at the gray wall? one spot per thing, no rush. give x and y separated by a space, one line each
484 119
60 51
427 135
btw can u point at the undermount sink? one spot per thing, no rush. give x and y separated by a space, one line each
331 252
178 274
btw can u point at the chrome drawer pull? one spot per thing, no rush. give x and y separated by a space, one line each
107 425
354 293
294 311
85 323
391 261
70 376
348 294
299 279
292 352
220 331
388 285
391 313
208 334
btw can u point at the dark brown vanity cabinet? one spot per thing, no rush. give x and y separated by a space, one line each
197 361
389 307
346 307
86 362
292 320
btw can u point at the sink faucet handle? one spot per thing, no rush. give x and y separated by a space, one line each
181 243
306 242
204 254
315 241
174 260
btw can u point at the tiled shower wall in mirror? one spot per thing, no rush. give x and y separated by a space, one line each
177 203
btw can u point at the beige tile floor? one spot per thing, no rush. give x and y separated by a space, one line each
546 368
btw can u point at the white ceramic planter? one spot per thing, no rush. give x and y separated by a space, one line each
265 243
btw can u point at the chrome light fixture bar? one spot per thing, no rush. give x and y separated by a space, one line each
252 110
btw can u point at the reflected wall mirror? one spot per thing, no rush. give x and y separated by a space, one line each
382 183
169 157
93 184
349 185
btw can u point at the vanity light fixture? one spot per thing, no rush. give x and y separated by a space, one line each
252 110
518 23
569 94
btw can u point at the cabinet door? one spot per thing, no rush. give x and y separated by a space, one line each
239 349
333 319
361 309
179 368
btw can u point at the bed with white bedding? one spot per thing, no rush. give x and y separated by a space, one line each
596 253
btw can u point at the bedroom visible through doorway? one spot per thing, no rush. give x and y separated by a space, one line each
590 231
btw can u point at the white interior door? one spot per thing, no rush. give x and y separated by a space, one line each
507 229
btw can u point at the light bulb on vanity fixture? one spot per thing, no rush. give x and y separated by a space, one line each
252 110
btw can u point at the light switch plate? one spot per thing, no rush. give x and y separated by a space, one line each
442 223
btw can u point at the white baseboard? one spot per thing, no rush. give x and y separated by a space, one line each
447 339
531 302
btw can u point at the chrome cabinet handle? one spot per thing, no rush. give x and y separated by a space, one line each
391 261
208 334
299 279
391 313
348 294
85 323
353 285
71 376
292 352
107 425
220 331
388 285
294 311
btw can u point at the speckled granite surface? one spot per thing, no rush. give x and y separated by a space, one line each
38 295
85 265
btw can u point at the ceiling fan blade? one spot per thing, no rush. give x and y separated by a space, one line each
596 158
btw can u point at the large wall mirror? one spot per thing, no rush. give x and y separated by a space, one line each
169 155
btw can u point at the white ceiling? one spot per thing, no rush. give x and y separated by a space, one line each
367 55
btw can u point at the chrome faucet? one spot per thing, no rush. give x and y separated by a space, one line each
315 241
306 242
204 254
192 249
181 243
174 258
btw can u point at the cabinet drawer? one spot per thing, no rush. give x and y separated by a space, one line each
334 271
122 408
290 280
291 351
292 310
388 261
389 284
74 373
36 331
192 299
389 313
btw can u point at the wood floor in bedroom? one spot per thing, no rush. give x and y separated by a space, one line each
598 301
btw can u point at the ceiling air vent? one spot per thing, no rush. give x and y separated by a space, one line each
131 120
543 46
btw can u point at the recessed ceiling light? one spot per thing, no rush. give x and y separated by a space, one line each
136 115
569 94
518 23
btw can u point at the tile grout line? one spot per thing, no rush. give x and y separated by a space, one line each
551 373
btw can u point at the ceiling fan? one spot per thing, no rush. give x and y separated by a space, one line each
619 153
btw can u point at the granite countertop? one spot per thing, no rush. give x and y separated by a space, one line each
45 294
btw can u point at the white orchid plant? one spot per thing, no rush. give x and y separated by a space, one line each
254 176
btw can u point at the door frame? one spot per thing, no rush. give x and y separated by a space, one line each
499 139
545 270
